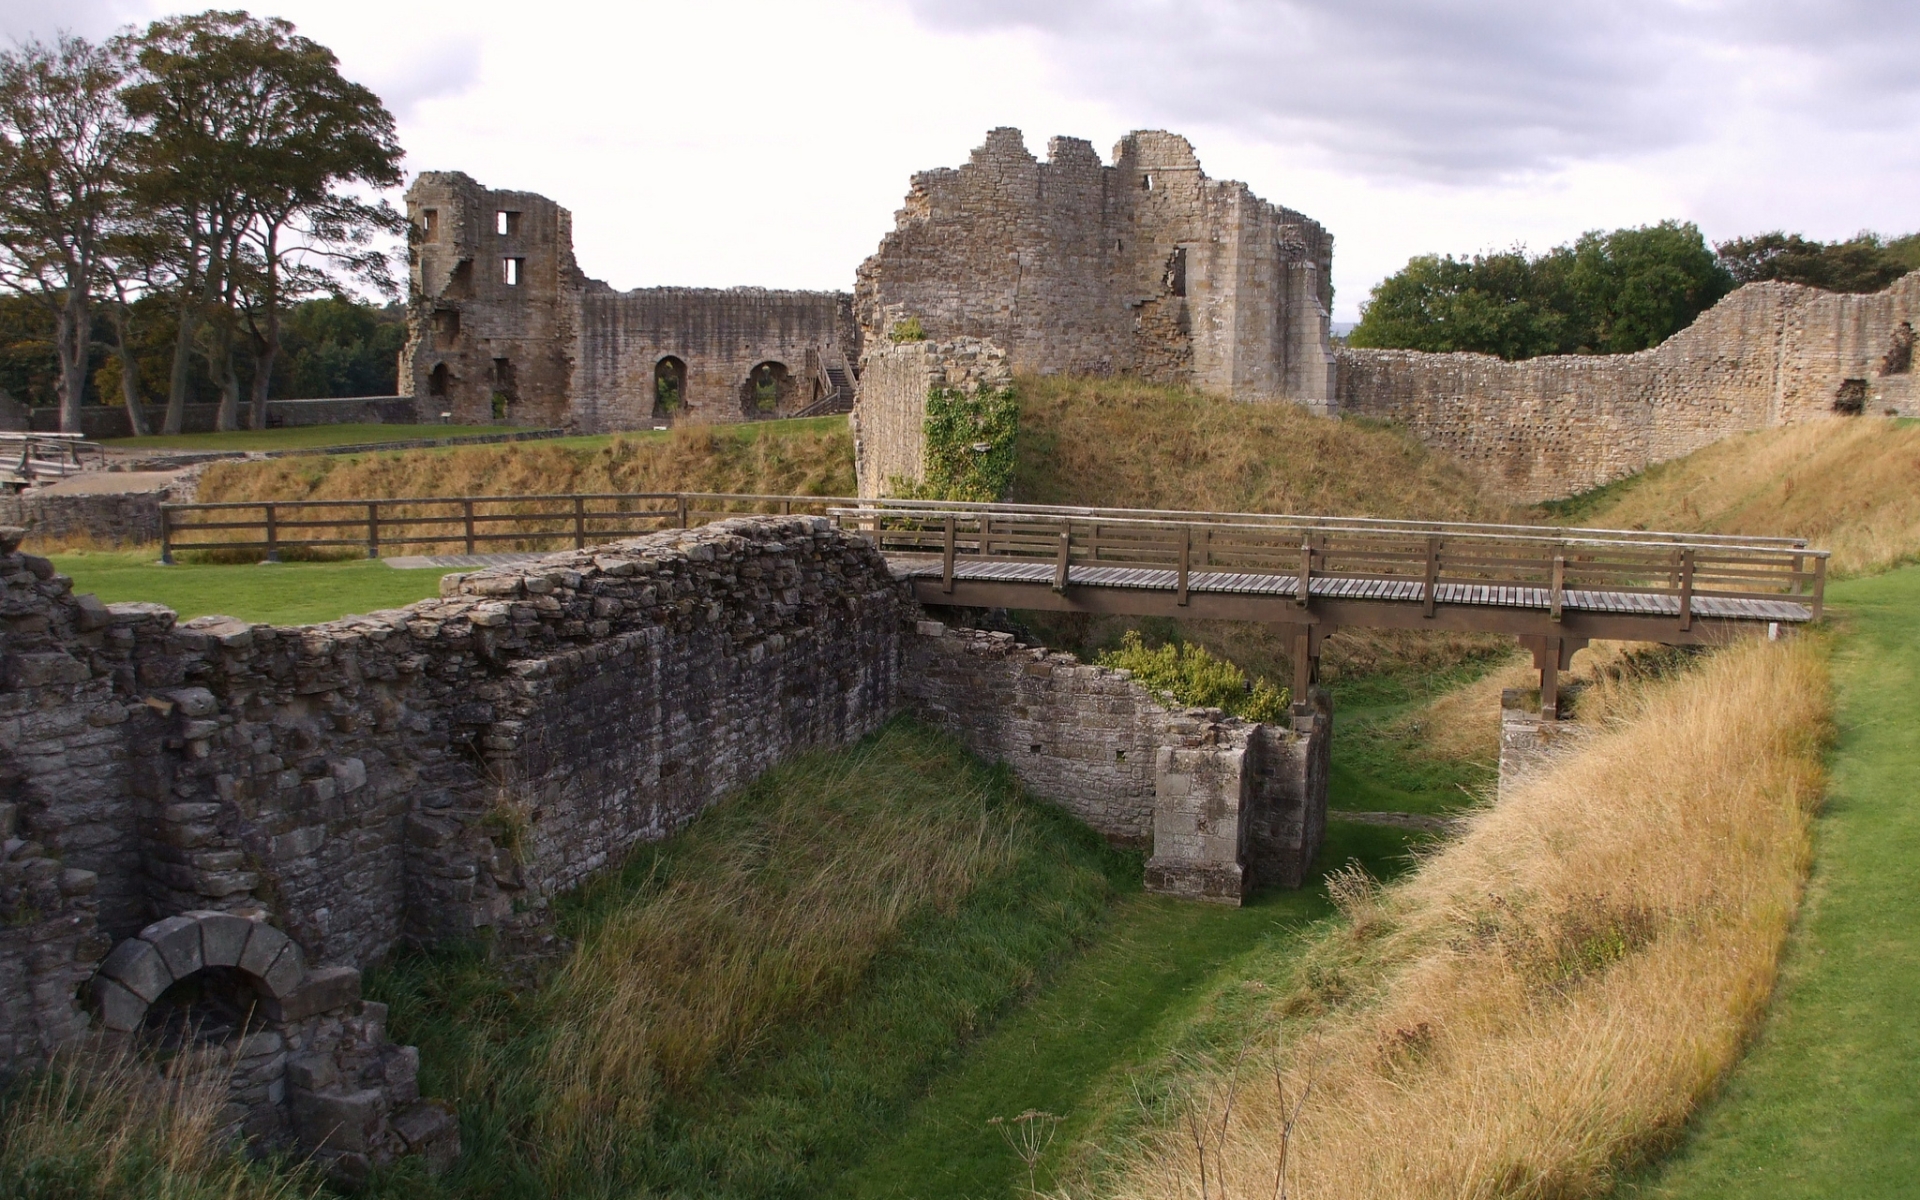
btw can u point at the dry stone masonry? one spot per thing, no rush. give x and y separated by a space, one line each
1224 805
505 327
1769 354
1144 267
889 421
215 824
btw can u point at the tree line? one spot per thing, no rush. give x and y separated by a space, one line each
197 180
1606 293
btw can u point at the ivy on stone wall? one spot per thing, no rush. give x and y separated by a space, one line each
969 439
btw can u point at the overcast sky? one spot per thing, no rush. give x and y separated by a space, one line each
724 142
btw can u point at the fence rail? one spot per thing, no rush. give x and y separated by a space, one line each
28 458
462 524
1427 563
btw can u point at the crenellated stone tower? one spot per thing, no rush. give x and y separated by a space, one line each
1146 266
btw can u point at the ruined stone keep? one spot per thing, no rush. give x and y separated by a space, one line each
1145 267
505 328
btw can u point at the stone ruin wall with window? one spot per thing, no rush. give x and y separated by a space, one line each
504 327
1144 267
1769 354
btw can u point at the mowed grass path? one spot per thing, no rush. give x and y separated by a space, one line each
1827 1104
274 593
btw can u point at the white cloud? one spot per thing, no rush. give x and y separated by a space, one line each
770 141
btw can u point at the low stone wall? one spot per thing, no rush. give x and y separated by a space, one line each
1531 741
890 415
98 421
117 518
426 771
1225 805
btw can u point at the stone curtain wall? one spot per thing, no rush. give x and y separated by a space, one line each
424 771
1769 354
720 336
890 418
98 421
1223 804
1147 266
578 352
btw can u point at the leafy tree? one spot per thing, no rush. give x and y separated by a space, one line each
63 142
1864 263
338 347
1607 293
252 135
1490 303
1635 288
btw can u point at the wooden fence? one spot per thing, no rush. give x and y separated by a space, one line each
452 525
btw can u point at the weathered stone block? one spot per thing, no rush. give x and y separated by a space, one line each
178 941
120 1010
138 966
338 1120
323 990
223 937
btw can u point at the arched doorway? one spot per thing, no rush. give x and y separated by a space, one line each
767 392
669 388
437 380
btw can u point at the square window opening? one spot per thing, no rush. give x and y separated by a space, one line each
506 223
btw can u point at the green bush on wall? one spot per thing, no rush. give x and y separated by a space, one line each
1193 676
969 438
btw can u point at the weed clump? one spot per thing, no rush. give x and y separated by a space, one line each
1196 678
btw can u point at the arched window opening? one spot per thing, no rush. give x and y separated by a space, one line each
767 392
669 388
211 1007
437 380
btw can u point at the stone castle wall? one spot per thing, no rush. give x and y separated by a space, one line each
889 420
1146 266
1769 354
554 347
1224 805
718 336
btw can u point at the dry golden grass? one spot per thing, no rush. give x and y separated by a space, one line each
1852 486
111 1125
1549 996
690 459
1122 442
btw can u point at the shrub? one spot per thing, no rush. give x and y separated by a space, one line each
909 330
1194 677
970 446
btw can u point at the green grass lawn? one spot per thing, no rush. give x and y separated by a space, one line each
1827 1103
275 593
301 437
1073 1050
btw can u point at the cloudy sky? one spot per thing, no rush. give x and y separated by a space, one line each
768 142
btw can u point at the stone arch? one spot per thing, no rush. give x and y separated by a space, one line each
768 391
141 969
669 388
437 380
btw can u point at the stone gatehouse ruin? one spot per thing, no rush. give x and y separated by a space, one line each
1145 266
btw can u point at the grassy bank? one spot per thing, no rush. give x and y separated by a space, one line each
811 457
1545 998
1851 486
748 1006
1827 1103
275 593
113 1126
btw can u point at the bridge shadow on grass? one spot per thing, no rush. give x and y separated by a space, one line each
1075 1047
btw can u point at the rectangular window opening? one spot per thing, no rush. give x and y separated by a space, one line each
506 223
511 269
430 224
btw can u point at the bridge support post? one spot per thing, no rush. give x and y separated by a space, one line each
1551 655
1303 643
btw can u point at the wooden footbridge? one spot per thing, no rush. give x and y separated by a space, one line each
1553 588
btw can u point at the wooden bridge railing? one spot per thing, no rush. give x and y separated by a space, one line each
453 525
1424 558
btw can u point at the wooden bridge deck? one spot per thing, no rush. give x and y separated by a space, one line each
1554 589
